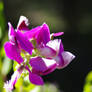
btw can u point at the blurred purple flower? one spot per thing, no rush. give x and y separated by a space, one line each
51 49
12 48
42 53
17 42
62 58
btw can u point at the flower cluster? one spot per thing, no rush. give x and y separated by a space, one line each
36 51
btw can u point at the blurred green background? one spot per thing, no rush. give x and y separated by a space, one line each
74 17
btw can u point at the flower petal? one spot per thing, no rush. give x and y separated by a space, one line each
64 59
42 66
13 52
38 64
23 23
44 34
11 33
57 34
56 45
59 61
32 33
35 79
47 52
40 33
67 57
50 69
61 49
24 42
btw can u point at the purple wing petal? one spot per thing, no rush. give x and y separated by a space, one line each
61 48
57 34
50 69
23 24
47 52
42 66
44 34
24 42
11 33
59 61
55 45
67 57
64 59
32 33
13 52
38 64
40 33
35 79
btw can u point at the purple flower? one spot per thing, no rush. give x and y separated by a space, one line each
41 52
17 42
51 49
42 66
12 48
34 78
38 34
41 34
62 58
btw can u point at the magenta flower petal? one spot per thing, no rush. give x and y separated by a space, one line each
59 61
50 69
11 33
13 52
23 24
44 34
55 45
35 79
38 64
67 57
32 33
57 34
36 71
24 42
41 34
42 66
61 58
64 59
47 52
61 48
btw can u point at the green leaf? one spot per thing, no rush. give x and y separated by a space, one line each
88 83
1 6
2 20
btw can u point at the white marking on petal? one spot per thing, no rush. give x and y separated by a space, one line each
23 18
55 44
44 51
49 62
67 57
